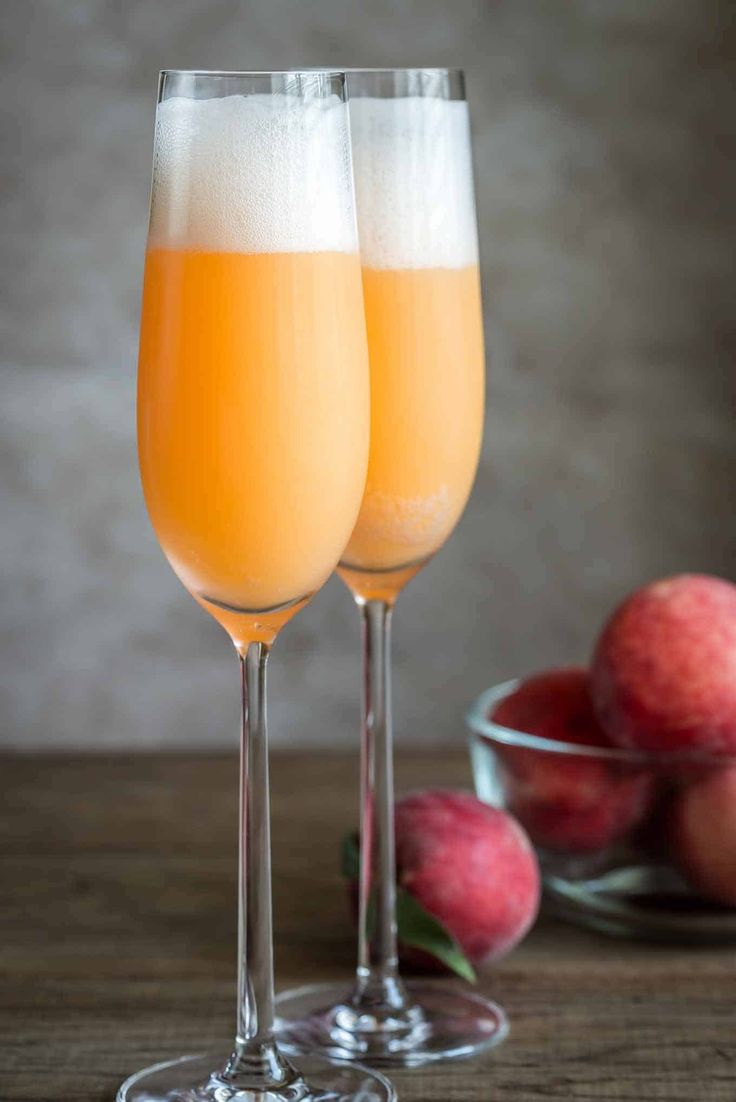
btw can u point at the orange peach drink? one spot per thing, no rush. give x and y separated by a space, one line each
421 285
253 379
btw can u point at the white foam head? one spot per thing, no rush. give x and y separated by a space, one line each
413 182
253 174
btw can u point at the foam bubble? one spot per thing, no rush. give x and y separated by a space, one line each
413 182
253 174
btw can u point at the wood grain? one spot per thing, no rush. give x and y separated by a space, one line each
117 928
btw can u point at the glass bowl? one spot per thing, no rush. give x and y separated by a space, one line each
598 818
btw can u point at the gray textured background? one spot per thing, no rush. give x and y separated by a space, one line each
604 193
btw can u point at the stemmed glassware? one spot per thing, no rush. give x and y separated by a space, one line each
253 413
418 241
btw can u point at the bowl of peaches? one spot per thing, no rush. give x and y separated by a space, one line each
623 773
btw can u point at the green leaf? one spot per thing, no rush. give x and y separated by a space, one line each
350 857
420 929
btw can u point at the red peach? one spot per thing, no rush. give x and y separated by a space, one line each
471 866
567 802
664 670
704 834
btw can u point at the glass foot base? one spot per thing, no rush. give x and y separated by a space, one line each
191 1079
447 1023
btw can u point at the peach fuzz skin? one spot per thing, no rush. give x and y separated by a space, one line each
664 671
471 866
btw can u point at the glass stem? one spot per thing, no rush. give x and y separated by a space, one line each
379 992
256 1063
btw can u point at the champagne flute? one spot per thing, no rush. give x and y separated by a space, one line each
253 419
418 242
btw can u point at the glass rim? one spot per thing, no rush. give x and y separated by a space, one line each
476 718
250 72
408 69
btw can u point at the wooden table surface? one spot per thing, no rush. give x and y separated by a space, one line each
117 938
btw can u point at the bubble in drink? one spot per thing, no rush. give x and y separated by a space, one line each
413 182
416 222
253 381
252 174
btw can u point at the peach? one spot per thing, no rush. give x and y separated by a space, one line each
704 834
568 803
471 866
664 670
